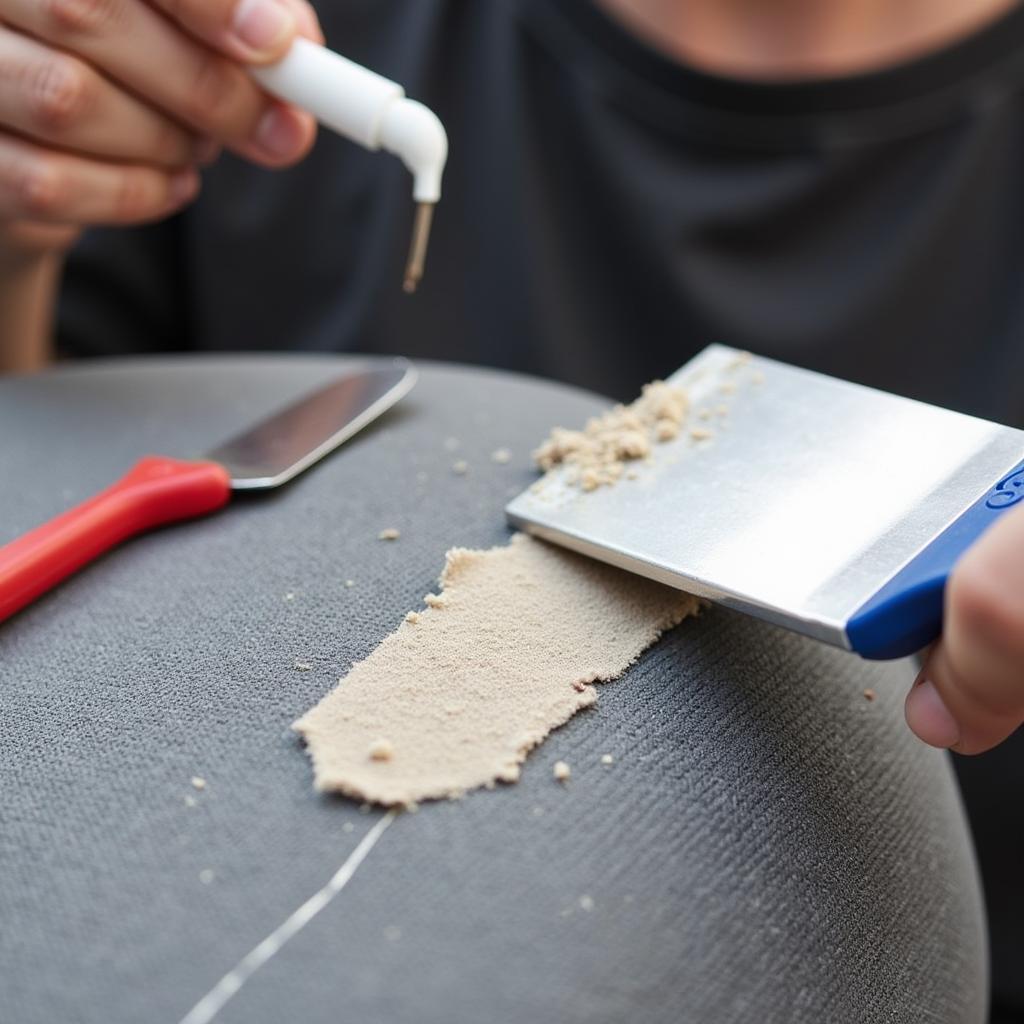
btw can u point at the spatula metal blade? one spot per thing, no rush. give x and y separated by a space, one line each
280 447
809 496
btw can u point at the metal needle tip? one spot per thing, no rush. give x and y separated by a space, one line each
418 248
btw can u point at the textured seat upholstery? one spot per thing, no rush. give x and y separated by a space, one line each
768 845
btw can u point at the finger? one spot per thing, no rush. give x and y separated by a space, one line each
309 23
985 612
54 97
138 47
41 185
971 692
282 130
255 31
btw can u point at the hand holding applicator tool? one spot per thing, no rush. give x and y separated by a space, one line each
373 111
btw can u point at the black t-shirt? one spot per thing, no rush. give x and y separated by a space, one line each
607 213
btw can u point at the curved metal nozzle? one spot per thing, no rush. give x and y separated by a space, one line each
418 246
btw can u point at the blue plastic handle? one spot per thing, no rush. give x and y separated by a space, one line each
906 614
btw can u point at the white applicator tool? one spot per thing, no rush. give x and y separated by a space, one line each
373 111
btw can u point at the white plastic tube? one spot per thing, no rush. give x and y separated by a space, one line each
364 107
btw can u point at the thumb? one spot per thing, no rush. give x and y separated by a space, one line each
970 693
251 31
945 709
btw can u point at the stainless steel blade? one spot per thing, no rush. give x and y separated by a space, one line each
283 445
810 495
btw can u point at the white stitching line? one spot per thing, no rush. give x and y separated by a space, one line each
213 1002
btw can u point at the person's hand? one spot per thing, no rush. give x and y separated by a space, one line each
970 694
107 107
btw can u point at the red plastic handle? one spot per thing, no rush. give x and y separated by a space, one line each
156 491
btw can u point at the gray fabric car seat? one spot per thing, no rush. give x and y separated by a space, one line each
768 844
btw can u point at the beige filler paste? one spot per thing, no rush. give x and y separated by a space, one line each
461 691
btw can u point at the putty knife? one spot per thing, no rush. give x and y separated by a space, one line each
160 490
829 508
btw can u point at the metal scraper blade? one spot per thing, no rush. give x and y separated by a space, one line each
810 495
280 447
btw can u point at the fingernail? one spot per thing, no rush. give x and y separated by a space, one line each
279 134
929 718
184 186
259 24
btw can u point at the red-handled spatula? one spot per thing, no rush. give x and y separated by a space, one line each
159 490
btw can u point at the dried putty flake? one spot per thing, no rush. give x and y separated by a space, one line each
597 454
486 674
